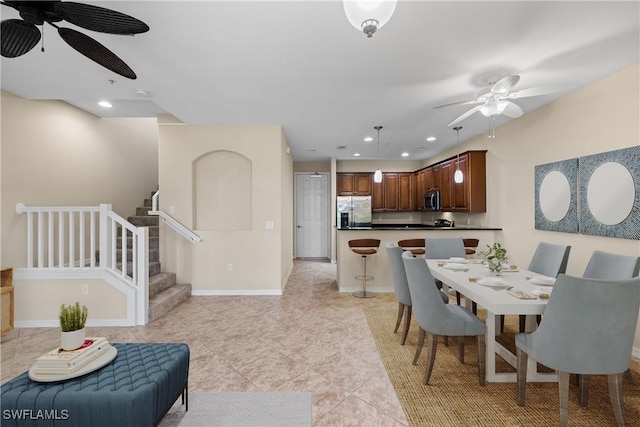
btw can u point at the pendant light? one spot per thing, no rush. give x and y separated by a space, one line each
369 15
377 175
458 176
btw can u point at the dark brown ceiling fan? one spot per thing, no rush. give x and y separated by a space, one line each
19 36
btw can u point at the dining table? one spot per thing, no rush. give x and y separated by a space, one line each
513 292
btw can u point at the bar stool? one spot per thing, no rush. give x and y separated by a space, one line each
416 246
470 245
364 248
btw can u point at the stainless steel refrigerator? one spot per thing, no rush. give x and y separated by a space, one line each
353 211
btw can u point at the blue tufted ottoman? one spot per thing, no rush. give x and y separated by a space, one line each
136 390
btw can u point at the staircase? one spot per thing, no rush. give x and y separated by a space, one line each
164 292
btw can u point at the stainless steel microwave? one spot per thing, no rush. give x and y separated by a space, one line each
432 200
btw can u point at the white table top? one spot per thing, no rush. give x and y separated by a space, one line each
497 301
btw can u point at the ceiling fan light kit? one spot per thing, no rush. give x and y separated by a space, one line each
496 101
19 36
369 16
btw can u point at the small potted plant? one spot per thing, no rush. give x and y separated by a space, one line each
495 257
72 321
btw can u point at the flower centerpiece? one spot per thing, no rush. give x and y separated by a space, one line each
72 320
495 256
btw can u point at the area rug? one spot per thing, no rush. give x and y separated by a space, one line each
242 409
455 398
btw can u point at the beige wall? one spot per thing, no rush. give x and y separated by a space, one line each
54 154
260 258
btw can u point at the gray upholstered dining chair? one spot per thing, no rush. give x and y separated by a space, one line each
437 318
609 266
548 260
401 289
444 248
588 328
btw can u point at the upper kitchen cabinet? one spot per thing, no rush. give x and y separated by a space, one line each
470 194
354 184
394 194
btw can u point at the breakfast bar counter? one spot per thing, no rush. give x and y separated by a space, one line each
350 265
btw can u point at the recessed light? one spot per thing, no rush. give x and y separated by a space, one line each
356 154
405 154
368 139
105 104
431 138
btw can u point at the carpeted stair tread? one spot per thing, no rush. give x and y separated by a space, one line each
161 303
161 282
144 221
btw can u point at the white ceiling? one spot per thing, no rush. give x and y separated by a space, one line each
302 65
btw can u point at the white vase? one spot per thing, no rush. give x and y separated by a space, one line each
72 340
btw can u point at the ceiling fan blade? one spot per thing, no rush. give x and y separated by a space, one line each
458 103
18 37
464 115
95 51
100 19
534 91
512 110
505 84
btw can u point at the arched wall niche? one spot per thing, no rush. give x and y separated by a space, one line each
222 191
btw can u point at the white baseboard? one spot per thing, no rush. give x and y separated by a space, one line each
237 292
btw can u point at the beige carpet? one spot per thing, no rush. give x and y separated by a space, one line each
455 398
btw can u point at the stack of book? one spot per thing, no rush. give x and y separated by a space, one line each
67 362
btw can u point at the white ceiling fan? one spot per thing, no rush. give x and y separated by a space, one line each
496 99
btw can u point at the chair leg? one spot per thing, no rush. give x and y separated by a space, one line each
432 346
521 367
627 374
446 340
616 397
457 297
563 391
461 348
501 323
583 383
419 345
407 324
522 323
474 307
482 366
399 319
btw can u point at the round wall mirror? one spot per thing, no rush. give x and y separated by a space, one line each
555 196
611 193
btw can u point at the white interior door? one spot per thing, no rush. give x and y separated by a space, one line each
312 215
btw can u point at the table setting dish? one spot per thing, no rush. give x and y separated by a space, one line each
455 266
542 280
458 260
492 282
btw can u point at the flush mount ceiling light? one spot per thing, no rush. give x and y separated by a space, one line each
377 175
369 15
105 104
368 139
458 176
405 154
431 138
356 154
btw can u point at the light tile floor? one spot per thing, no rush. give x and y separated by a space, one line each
312 338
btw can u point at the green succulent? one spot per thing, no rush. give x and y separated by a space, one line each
72 317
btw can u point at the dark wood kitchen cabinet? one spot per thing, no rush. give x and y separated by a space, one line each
394 194
470 194
354 184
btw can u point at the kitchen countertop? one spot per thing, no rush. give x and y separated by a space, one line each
420 227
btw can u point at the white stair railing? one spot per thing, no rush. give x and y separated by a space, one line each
173 223
62 243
